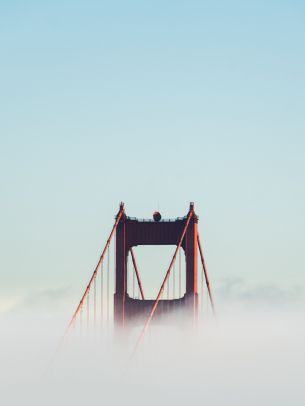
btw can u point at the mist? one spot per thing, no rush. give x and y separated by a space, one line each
251 353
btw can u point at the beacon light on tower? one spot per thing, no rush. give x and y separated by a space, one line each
157 216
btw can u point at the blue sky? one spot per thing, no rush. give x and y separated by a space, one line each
156 104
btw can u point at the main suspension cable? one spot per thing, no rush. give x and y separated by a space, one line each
206 275
137 273
118 218
155 305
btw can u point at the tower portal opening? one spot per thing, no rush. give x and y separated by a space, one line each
153 262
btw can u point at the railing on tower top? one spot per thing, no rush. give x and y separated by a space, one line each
153 221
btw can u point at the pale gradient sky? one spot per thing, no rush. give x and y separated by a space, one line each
156 104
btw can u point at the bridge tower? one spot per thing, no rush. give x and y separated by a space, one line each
132 232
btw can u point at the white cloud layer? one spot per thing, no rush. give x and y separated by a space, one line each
246 356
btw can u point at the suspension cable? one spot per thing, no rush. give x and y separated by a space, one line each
137 273
118 218
107 282
81 321
94 303
88 311
174 280
206 275
155 305
133 284
102 293
180 273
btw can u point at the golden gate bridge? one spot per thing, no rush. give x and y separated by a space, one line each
115 293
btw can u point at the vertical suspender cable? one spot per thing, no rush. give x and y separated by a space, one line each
167 288
81 321
107 277
206 275
88 311
129 276
174 281
202 292
102 293
137 273
162 305
118 217
94 302
113 273
133 281
180 273
168 294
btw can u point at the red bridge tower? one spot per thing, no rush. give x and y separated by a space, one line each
132 232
